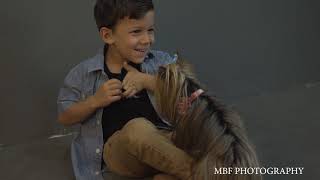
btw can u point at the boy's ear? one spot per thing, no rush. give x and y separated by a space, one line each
106 35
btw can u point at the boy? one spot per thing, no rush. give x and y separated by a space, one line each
109 97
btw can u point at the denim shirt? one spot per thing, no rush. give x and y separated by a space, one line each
81 82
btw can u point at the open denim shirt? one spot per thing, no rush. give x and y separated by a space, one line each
81 82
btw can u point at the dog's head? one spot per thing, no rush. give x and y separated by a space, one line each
175 83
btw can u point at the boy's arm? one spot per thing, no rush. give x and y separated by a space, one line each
72 110
149 81
135 81
78 112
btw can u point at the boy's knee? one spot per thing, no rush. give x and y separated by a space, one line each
137 130
138 125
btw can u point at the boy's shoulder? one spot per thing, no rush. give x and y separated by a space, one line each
162 57
90 64
157 58
84 67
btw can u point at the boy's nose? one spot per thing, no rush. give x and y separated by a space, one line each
147 39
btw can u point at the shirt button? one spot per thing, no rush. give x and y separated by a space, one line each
97 172
98 151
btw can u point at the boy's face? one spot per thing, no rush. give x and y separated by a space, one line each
132 38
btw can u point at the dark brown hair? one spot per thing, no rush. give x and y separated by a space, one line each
107 13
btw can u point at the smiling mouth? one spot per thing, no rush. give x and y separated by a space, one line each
141 50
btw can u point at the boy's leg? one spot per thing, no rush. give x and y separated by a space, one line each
139 148
119 161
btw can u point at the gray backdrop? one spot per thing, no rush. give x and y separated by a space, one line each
262 56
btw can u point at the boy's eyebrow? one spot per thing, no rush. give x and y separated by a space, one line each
140 27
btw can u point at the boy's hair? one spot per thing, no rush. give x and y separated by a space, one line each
107 13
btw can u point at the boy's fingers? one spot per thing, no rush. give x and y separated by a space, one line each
115 92
127 92
115 98
133 92
126 87
125 83
113 81
115 86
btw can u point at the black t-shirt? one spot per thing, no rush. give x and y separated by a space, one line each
118 113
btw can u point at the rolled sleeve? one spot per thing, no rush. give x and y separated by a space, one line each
160 59
71 91
170 59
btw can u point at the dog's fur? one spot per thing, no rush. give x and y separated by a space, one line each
208 131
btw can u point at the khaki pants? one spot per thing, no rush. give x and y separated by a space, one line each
139 149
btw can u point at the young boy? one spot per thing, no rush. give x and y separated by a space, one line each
109 98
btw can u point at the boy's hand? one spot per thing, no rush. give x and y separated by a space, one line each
133 82
109 92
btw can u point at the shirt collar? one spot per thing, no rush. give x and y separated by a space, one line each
97 62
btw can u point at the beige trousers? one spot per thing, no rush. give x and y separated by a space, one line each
139 149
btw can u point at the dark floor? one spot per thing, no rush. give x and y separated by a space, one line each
283 125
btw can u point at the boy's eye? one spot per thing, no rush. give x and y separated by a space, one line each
151 30
136 31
